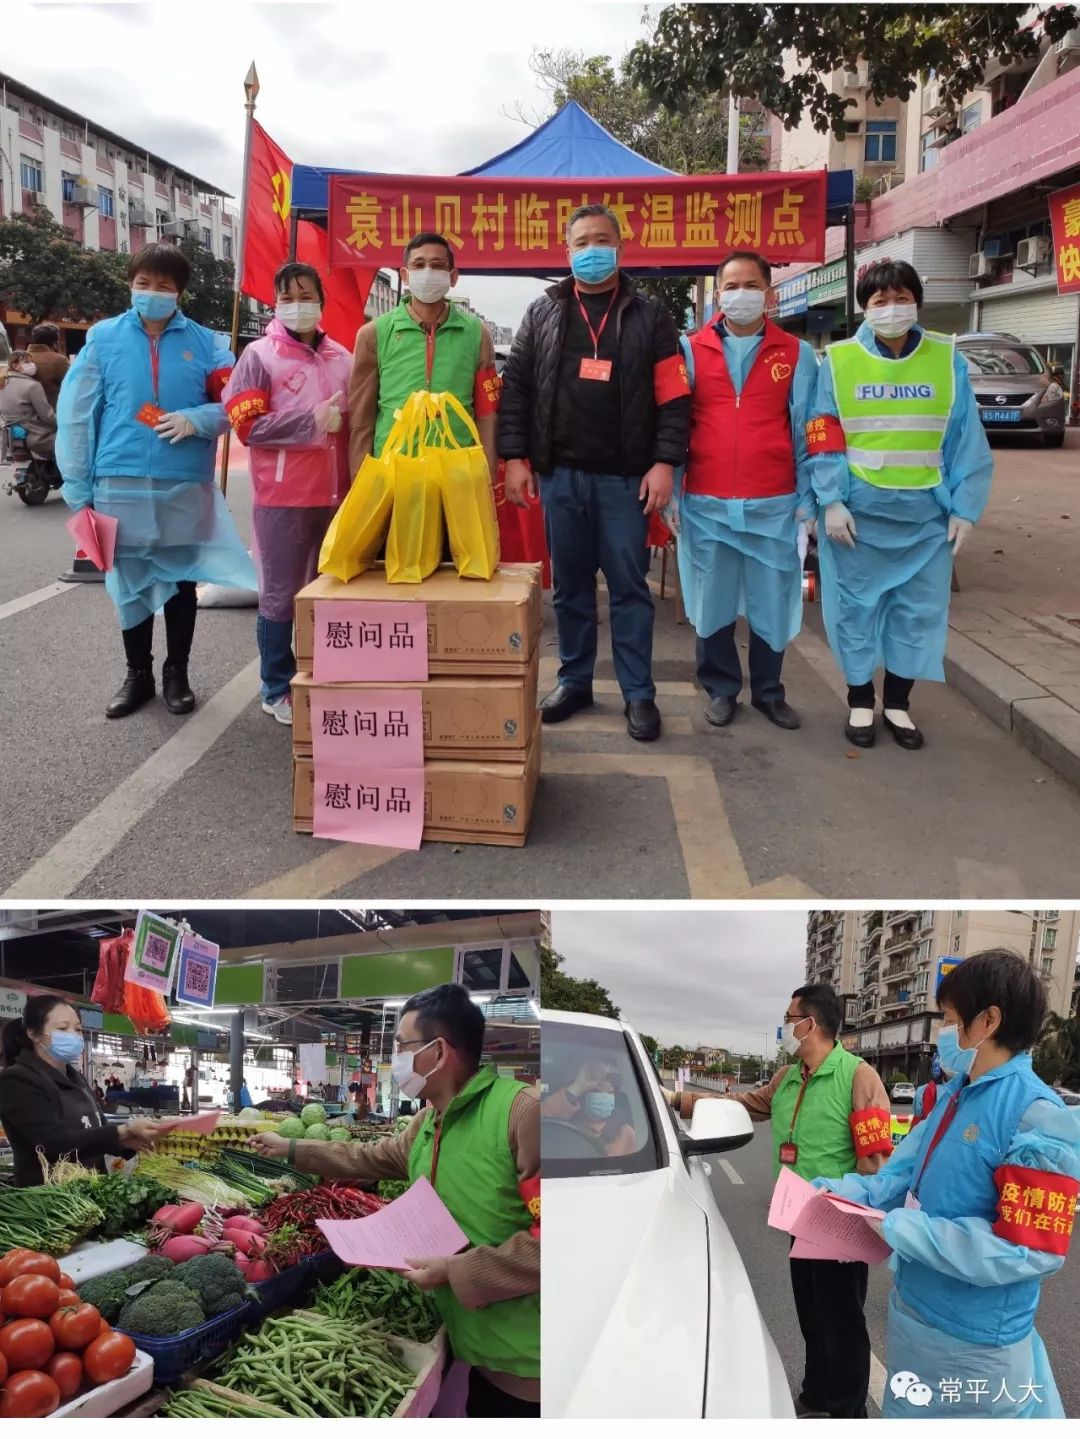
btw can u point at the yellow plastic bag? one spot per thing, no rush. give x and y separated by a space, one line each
467 497
358 531
414 545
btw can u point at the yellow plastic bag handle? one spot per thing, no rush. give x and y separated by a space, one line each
448 401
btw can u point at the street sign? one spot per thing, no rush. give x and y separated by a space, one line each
945 965
12 1004
197 974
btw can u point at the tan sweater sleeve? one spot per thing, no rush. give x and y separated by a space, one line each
491 1273
363 398
362 1163
757 1102
868 1092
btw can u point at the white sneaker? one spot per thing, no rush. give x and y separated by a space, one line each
281 709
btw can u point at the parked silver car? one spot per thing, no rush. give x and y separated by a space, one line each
1014 387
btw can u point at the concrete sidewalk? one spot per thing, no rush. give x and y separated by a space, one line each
1014 640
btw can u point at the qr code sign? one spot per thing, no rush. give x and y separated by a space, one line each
156 953
197 978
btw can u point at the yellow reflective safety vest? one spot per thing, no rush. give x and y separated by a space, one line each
894 412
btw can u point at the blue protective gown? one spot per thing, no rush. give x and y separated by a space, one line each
972 1280
740 557
173 523
886 601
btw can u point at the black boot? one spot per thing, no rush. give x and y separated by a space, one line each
136 690
175 689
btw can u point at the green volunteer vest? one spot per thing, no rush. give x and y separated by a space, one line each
402 356
894 412
822 1131
477 1180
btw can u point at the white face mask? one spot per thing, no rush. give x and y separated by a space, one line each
403 1070
27 368
787 1035
300 316
429 286
892 321
742 307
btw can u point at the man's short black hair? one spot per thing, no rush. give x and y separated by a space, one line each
594 211
823 1003
45 335
293 270
430 237
751 255
888 275
999 977
447 1012
161 259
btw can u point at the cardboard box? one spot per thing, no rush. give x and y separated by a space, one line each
477 627
464 718
464 802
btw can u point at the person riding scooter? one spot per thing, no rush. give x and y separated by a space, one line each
23 404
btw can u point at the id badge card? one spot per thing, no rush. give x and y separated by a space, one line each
595 369
910 1202
789 1153
151 415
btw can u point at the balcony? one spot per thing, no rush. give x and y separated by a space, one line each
901 967
905 940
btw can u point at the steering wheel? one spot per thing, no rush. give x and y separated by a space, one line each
561 1140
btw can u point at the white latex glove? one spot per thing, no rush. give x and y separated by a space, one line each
802 544
958 532
670 516
811 528
839 524
175 428
328 415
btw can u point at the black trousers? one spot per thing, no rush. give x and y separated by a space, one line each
180 613
896 693
487 1402
720 670
829 1300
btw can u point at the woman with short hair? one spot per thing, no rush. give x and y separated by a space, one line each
140 414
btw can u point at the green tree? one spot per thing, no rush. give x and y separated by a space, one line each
208 299
1056 1057
652 1046
561 991
43 272
698 51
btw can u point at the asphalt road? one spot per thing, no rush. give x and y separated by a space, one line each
166 808
743 1186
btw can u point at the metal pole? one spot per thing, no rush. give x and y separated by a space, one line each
733 135
251 91
236 1057
849 259
195 1080
294 234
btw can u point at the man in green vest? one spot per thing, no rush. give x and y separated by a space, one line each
426 343
477 1139
830 1116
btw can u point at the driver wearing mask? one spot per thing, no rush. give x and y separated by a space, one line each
23 402
592 1103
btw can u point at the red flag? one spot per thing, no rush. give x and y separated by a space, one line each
346 290
266 229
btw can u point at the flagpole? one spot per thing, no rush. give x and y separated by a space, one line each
251 91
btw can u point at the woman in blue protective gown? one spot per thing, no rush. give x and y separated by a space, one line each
139 417
980 1202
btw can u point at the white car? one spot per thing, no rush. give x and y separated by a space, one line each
648 1312
903 1093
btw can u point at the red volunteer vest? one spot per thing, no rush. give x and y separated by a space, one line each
740 445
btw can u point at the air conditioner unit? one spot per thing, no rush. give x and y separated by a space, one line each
39 197
980 265
140 215
1032 251
179 229
85 195
1071 41
855 79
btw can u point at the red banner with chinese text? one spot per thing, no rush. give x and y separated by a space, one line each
677 223
1065 223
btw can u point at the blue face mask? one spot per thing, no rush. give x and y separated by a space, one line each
598 1104
951 1057
594 265
151 305
66 1046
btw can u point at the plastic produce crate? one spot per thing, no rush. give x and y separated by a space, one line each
182 1354
294 1286
106 1399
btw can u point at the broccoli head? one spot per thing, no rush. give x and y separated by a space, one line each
108 1293
216 1281
163 1309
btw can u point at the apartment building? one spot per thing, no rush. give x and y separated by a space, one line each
832 953
382 297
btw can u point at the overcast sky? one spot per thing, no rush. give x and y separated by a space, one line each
691 976
409 89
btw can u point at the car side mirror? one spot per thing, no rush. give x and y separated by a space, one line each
717 1126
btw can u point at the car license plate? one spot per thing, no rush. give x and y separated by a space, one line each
1000 417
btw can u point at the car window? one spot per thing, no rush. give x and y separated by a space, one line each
609 1129
1003 360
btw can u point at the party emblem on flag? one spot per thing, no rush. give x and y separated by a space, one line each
282 184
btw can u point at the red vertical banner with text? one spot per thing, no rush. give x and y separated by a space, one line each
1065 224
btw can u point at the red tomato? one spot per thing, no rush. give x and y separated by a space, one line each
74 1328
68 1299
66 1282
66 1369
27 1344
108 1357
29 1395
104 1327
32 1264
3 1369
31 1296
9 1259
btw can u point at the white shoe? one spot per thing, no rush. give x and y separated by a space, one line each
281 710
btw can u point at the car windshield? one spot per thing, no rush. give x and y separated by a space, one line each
594 1114
1002 359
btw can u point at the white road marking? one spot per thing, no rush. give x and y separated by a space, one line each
57 874
730 1170
878 1377
35 597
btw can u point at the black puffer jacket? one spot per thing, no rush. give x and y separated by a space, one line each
55 1111
646 335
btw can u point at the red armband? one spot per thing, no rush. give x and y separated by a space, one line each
870 1128
1035 1208
486 392
825 436
670 379
529 1189
245 408
216 382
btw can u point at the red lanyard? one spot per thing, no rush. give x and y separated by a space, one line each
594 335
155 363
429 338
798 1106
946 1120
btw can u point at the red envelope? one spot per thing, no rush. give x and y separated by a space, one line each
95 535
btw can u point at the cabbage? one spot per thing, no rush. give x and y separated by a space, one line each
250 1116
313 1114
291 1128
340 1136
316 1131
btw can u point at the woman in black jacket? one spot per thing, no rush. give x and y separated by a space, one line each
47 1105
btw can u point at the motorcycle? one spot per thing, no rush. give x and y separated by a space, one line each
34 476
